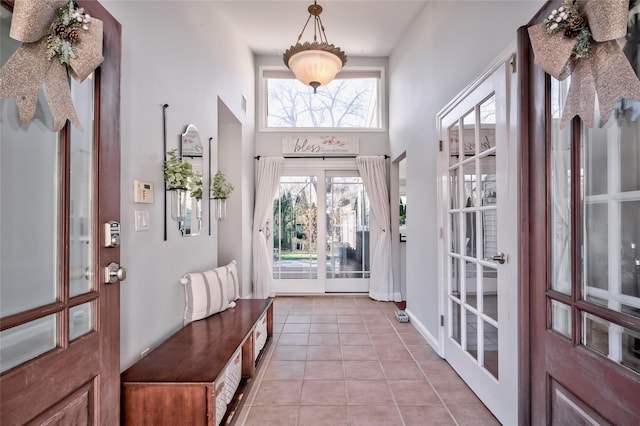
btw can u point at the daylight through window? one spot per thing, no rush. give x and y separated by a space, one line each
349 101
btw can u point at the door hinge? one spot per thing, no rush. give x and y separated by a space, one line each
442 320
441 233
514 65
440 146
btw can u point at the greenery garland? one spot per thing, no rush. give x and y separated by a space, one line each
569 18
65 32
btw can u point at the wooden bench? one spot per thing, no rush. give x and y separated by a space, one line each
196 377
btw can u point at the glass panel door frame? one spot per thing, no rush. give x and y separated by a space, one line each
469 332
322 284
302 285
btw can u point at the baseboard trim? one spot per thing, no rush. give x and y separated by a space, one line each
432 341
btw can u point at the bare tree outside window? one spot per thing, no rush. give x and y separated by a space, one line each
346 103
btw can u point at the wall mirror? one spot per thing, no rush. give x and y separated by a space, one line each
191 151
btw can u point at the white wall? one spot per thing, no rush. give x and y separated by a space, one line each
184 54
449 44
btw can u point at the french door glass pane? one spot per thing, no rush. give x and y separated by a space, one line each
469 171
470 234
347 207
453 188
295 238
456 322
490 334
472 333
455 232
490 291
473 292
81 193
471 284
454 145
24 342
488 191
455 278
490 233
469 134
488 123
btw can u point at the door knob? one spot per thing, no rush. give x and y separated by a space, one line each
113 272
500 258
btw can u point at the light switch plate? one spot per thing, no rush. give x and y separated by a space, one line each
142 192
141 222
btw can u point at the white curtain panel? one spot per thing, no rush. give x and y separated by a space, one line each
268 173
373 170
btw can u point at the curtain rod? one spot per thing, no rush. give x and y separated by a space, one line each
324 157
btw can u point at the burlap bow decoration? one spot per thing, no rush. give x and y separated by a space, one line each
580 39
49 43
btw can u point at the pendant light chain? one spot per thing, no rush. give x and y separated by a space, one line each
314 63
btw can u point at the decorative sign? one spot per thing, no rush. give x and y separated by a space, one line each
320 146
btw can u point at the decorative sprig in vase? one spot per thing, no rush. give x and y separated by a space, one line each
195 185
177 175
221 189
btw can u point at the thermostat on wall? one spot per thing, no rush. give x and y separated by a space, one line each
142 192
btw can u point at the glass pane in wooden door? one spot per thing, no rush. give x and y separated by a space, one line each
81 193
611 236
560 192
24 342
29 228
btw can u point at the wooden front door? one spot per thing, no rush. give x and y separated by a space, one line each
59 327
580 254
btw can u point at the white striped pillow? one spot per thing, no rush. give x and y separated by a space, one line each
232 281
206 293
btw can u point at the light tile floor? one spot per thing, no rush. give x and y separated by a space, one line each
345 360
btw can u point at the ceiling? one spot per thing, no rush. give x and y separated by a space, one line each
360 28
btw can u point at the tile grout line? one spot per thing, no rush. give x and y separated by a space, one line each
427 376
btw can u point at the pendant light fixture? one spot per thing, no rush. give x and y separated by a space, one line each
314 63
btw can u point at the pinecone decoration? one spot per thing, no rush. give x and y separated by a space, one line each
59 30
73 36
576 24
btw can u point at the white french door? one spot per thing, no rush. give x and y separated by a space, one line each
478 204
320 235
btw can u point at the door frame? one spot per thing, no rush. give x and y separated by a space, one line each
506 60
538 344
106 207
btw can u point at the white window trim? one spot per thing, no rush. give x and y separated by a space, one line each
355 70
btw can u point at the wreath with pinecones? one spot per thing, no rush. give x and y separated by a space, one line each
65 32
570 19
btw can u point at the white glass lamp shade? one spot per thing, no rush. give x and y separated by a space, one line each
315 67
